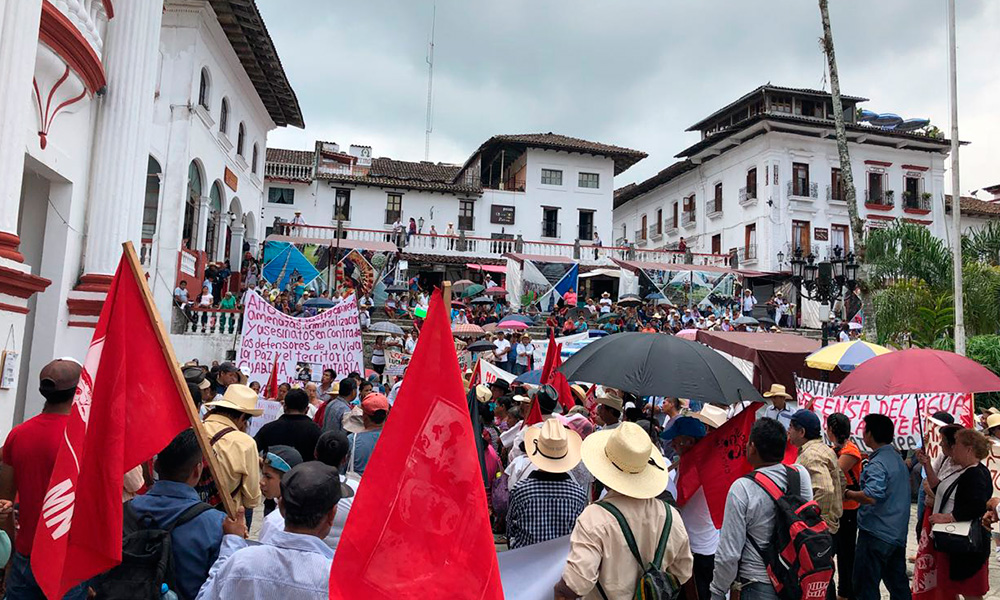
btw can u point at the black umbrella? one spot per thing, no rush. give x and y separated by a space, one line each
483 300
480 346
767 321
660 365
319 303
607 317
629 300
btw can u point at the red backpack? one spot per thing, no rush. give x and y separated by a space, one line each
799 556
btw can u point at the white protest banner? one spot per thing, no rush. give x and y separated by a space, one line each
488 373
304 347
530 573
906 411
272 410
542 345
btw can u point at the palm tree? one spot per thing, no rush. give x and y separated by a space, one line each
846 175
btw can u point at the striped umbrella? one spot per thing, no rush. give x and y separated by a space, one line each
466 329
845 355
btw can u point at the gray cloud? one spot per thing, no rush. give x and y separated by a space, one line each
628 72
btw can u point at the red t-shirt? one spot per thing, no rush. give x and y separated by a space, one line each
31 449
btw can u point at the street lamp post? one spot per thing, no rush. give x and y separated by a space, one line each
823 282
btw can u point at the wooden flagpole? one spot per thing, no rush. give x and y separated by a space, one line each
168 354
446 296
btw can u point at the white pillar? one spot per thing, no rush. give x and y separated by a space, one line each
121 140
218 253
236 247
202 225
18 46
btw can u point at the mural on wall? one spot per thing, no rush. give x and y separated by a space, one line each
366 272
706 289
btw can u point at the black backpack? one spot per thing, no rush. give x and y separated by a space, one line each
147 560
799 556
654 583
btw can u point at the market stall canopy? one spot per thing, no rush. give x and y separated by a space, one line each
615 273
370 245
776 357
490 268
634 265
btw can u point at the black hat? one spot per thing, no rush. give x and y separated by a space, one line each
502 384
310 488
228 367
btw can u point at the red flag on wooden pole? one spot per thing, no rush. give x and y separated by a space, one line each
419 525
552 376
128 406
271 389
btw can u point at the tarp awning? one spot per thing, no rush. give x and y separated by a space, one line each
616 273
490 268
634 265
371 245
777 357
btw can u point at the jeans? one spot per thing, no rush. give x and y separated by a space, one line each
877 561
845 542
758 591
21 582
704 565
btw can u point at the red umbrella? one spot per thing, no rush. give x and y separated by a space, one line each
495 291
918 371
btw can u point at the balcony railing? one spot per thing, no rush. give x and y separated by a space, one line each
640 236
655 231
288 171
551 230
473 247
884 199
917 202
688 218
836 195
211 321
748 196
89 17
799 191
342 213
336 168
713 208
748 253
146 252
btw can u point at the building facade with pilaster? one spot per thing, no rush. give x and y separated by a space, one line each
112 129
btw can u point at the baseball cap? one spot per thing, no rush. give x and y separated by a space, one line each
282 458
228 367
807 420
310 487
60 375
374 403
688 426
196 376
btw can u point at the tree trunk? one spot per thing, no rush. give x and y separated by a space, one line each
846 174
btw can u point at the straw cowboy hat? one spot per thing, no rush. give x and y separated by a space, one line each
238 397
992 421
610 398
522 399
578 393
777 390
625 460
552 447
712 415
483 393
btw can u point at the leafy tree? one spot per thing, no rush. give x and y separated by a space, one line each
933 322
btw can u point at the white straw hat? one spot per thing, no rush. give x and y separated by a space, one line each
625 460
552 447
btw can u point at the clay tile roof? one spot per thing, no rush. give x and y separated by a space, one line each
974 207
623 157
766 88
247 34
291 157
634 190
386 172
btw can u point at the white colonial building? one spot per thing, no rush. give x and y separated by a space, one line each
765 179
142 121
546 192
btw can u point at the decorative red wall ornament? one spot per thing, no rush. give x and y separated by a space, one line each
109 9
47 113
59 33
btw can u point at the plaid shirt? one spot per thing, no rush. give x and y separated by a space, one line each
544 506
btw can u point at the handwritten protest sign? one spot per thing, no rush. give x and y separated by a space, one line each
395 361
933 450
304 347
906 411
272 410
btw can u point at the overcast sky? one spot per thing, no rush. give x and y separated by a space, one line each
635 73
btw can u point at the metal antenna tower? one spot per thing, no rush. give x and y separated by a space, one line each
430 89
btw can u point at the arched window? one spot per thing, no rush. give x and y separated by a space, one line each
204 91
241 139
224 116
191 206
256 157
214 208
150 207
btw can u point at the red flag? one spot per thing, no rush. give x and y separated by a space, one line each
126 409
552 376
476 375
419 525
271 389
534 414
590 400
717 461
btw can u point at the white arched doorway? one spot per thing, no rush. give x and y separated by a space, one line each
213 221
234 243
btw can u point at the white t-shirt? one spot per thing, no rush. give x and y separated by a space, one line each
703 535
524 352
410 345
277 522
748 302
606 305
844 336
503 346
